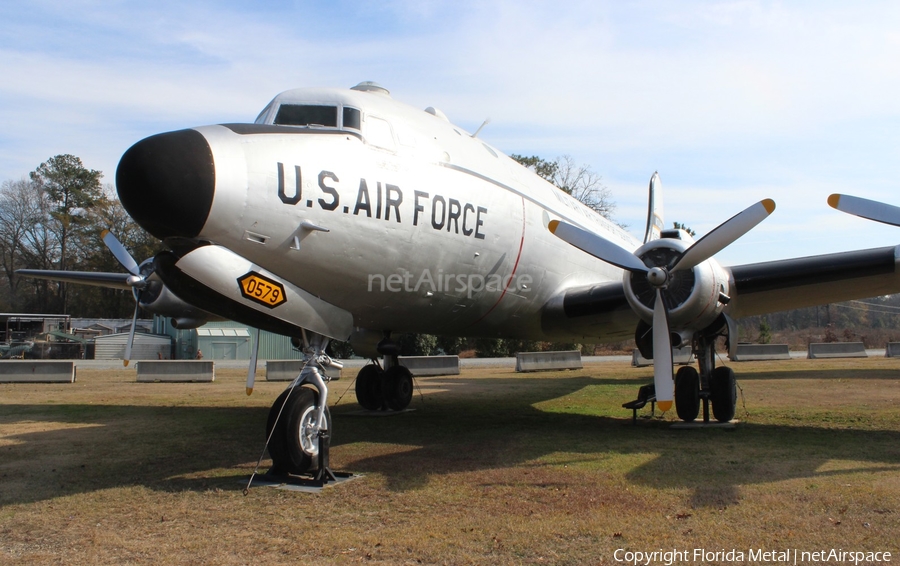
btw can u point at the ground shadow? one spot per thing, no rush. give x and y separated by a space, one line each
463 425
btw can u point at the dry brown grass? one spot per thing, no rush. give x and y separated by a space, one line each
492 467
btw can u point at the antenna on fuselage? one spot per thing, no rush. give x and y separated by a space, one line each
483 124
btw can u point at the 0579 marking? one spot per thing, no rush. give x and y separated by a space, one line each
262 290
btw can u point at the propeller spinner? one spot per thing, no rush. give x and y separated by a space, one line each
659 276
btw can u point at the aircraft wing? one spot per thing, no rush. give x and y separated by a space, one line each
775 286
98 279
602 311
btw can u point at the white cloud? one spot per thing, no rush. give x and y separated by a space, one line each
730 101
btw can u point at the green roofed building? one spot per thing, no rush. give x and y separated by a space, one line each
224 340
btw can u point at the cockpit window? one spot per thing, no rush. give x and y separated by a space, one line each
261 119
351 118
306 115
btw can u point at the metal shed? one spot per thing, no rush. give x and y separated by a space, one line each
223 343
187 341
145 347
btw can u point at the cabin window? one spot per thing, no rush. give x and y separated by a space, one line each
378 133
351 118
306 115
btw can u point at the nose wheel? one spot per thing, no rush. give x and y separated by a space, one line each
298 429
293 436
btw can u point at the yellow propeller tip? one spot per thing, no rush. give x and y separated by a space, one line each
104 233
664 405
125 363
249 391
553 225
769 205
833 200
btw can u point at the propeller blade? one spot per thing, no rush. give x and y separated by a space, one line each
118 250
137 307
662 355
597 246
251 372
724 234
865 208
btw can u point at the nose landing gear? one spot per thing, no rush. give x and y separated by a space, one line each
298 429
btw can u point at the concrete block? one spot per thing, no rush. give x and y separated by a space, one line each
818 351
37 371
544 361
149 371
680 356
892 350
423 366
755 352
288 370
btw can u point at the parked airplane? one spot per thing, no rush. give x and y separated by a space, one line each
344 214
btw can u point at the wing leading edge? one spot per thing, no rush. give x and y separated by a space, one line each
97 279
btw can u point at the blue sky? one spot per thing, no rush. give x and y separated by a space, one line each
731 102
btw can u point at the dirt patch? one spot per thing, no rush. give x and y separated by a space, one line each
492 467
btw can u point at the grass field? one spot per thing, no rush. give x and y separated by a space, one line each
492 467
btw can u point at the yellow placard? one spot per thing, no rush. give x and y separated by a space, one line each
262 290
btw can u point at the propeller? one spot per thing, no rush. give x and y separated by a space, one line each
865 208
658 276
137 281
251 372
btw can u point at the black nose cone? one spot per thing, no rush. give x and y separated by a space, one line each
167 182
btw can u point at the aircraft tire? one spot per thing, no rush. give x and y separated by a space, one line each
398 387
293 447
368 387
687 393
723 394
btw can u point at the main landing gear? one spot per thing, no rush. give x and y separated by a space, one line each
698 389
390 388
711 384
298 429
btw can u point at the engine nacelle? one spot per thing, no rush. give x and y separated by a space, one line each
156 298
188 323
695 297
220 281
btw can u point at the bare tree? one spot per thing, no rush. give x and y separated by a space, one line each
580 181
18 211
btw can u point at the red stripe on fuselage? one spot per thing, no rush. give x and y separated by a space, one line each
511 275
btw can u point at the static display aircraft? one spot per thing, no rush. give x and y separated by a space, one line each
344 214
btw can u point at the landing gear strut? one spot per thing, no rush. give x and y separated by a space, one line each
299 425
693 388
388 388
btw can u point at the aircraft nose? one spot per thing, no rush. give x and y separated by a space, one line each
167 182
